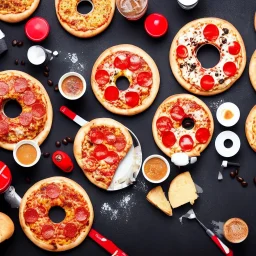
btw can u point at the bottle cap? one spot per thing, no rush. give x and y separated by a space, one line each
156 25
5 177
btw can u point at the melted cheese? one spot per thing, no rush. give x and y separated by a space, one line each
14 6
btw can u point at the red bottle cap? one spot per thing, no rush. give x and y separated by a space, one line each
156 25
63 161
37 29
5 177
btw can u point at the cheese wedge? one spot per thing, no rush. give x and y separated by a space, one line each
157 197
182 190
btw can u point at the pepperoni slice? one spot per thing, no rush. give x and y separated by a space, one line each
31 215
25 118
47 231
41 210
102 77
132 99
186 143
177 113
70 230
164 124
20 85
135 63
81 214
4 88
120 143
168 139
29 98
53 191
90 164
230 69
207 82
110 137
38 110
144 79
112 158
234 48
111 93
122 62
100 152
202 135
182 51
211 32
96 137
4 127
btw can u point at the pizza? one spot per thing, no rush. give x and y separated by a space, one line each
138 67
35 120
99 147
252 70
250 128
85 25
35 220
188 70
182 123
17 10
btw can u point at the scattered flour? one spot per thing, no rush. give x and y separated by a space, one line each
141 185
215 104
75 64
106 209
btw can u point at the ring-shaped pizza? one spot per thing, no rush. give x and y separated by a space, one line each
188 70
250 128
183 123
34 214
35 120
138 67
85 25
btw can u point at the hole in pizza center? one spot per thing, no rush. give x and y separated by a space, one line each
12 108
85 7
122 83
57 214
228 143
208 55
188 123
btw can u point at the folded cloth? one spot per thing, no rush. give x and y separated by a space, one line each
3 46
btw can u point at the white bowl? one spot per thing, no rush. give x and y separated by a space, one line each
167 173
72 74
30 142
221 111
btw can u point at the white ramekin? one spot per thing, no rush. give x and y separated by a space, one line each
224 107
72 74
167 173
30 142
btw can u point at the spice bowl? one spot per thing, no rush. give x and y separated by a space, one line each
26 153
156 169
72 85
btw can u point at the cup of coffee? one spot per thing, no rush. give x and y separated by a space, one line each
235 230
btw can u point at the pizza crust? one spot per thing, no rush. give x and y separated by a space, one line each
37 241
252 70
80 138
89 33
154 90
197 149
250 134
7 227
176 69
14 18
49 112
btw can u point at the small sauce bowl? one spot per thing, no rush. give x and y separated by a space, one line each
16 153
228 114
154 167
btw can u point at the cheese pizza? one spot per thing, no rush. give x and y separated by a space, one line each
35 120
250 128
99 147
252 70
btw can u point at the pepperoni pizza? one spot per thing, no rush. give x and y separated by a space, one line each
182 123
187 68
40 229
17 10
85 25
99 147
35 120
252 70
138 67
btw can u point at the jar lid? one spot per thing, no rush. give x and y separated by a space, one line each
156 25
5 177
37 29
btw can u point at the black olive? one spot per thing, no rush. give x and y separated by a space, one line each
240 179
232 175
46 68
46 154
69 139
221 81
244 184
225 30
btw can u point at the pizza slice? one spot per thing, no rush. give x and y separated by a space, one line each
99 147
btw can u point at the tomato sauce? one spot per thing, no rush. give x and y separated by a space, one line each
155 169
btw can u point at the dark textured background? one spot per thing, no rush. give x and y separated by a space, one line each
141 229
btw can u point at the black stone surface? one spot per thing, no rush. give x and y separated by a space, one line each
140 229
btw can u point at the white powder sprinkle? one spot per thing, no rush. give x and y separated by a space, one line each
106 209
215 104
73 57
141 185
75 64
